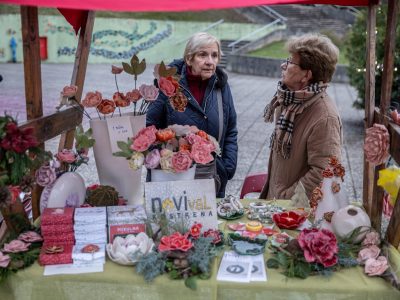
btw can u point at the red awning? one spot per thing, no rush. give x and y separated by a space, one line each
171 5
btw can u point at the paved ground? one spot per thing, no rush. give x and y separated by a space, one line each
251 93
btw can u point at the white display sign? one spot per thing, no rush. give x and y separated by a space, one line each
193 200
119 129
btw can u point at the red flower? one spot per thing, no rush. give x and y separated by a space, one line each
215 234
288 220
175 241
319 246
196 230
106 106
18 140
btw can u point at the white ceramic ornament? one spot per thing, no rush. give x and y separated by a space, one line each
348 218
331 201
128 250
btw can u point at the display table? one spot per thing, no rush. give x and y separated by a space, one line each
121 282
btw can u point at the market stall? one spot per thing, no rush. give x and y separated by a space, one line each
30 283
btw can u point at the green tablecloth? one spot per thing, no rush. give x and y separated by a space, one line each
120 282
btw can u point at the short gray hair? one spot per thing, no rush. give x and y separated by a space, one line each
197 41
317 53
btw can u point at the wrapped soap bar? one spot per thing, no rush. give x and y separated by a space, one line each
56 216
89 252
55 254
67 238
90 215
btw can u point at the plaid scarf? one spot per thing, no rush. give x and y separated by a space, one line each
289 104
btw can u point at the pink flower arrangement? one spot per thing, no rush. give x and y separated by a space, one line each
367 253
319 246
173 149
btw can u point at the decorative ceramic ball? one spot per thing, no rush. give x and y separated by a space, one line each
348 218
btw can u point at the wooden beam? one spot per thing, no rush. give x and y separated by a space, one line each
53 125
388 61
393 230
79 72
31 53
33 77
369 101
394 132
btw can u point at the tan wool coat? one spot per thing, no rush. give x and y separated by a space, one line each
316 137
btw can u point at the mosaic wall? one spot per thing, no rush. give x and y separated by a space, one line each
114 40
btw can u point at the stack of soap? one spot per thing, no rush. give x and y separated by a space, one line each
124 220
90 225
58 236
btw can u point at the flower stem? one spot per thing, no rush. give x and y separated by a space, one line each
116 83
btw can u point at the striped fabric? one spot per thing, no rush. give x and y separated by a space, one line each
288 104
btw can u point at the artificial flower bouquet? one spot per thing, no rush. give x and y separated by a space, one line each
66 160
319 252
140 97
173 149
183 254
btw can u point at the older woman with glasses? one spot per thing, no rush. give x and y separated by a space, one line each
308 129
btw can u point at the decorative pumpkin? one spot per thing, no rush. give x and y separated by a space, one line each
103 195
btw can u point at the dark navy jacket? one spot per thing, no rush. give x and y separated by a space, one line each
205 117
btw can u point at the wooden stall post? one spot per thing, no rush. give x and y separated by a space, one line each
369 101
79 72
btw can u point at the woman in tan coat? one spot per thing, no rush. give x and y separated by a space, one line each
308 128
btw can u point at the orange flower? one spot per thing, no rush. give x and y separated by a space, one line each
178 102
106 106
202 134
120 100
316 197
184 147
327 173
133 96
333 161
165 135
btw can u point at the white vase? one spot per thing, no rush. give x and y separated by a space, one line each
158 175
348 218
68 190
115 171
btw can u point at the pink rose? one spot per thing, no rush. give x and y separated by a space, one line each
201 153
395 116
4 260
16 246
371 238
133 96
319 246
376 145
193 138
148 92
168 86
66 155
92 99
69 90
144 139
367 253
181 161
152 160
166 160
45 175
30 237
116 70
376 267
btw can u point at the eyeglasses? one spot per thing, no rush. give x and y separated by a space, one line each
289 61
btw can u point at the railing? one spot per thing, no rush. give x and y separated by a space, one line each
203 30
272 13
233 44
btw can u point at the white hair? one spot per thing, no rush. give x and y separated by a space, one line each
198 41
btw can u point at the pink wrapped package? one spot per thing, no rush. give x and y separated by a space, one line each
55 216
53 254
48 230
